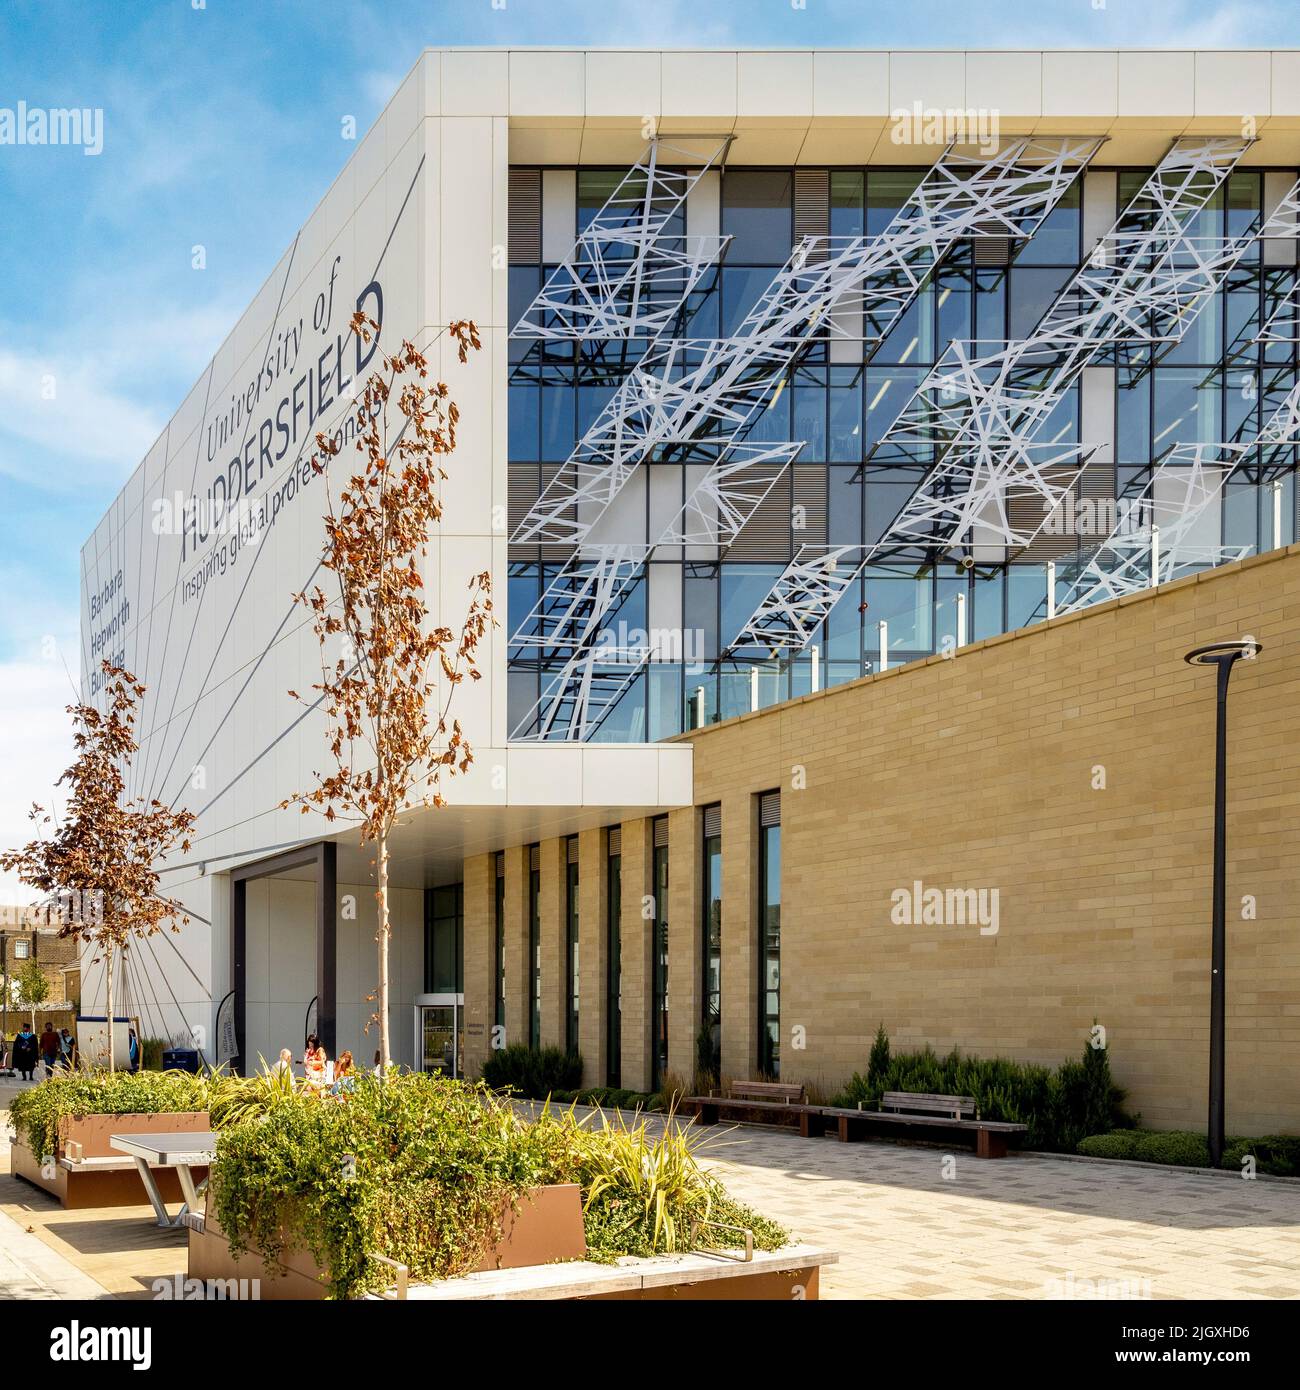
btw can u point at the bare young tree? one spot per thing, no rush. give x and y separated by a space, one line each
98 865
388 725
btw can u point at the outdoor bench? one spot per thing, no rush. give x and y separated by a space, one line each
920 1111
774 1098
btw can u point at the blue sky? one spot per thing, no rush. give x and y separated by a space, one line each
222 127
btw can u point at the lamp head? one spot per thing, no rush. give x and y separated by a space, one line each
1216 653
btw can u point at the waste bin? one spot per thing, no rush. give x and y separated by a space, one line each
180 1059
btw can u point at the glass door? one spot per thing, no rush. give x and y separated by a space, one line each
441 1037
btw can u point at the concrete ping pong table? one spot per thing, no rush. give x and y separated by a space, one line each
182 1152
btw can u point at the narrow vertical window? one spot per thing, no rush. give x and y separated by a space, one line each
499 943
614 1008
571 943
535 947
659 961
709 1050
769 933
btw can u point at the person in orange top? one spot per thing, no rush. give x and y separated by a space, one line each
314 1062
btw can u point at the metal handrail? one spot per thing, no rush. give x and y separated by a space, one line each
396 1292
729 1254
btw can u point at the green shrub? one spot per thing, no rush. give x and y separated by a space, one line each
422 1168
1059 1107
641 1194
1178 1147
37 1112
534 1073
878 1060
1275 1154
1119 1143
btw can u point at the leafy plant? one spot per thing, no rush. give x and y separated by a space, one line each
423 1168
1059 1107
642 1194
99 862
38 1113
1275 1154
1119 1143
533 1073
235 1100
878 1060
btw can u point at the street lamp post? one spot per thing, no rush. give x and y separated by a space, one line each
1224 656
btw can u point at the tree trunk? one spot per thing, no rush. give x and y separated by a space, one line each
383 957
109 978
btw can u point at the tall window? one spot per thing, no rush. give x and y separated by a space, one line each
710 1049
614 1009
571 943
535 947
659 965
769 933
499 943
444 940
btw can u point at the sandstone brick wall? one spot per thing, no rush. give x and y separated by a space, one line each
1068 766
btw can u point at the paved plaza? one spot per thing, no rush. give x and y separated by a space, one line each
908 1222
1020 1227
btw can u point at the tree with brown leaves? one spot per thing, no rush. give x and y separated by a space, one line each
388 724
97 866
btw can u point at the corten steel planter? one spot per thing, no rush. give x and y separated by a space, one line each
546 1227
85 1137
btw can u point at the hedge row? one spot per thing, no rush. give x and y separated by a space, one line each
1275 1154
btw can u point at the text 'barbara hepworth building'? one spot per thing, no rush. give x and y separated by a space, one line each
859 442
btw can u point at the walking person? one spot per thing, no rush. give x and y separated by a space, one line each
50 1049
67 1046
133 1049
26 1050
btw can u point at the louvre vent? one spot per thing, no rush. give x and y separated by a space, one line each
616 839
573 849
812 207
525 216
1096 486
766 535
534 856
523 487
992 250
810 502
769 809
500 865
713 820
661 832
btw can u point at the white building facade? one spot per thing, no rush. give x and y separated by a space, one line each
870 353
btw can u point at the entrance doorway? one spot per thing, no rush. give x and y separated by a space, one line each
440 1033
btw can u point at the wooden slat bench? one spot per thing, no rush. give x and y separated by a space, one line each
921 1111
773 1098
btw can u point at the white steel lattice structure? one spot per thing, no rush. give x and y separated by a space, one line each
698 398
1182 501
1283 324
1183 495
626 277
981 405
689 391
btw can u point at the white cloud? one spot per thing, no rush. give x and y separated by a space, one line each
96 413
35 747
